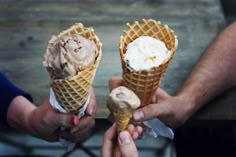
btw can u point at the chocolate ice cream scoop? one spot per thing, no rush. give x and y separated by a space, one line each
124 99
69 54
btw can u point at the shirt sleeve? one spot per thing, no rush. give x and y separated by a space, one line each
8 91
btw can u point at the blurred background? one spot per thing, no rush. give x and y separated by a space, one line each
27 25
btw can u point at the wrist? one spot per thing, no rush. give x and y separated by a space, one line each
19 112
30 121
188 105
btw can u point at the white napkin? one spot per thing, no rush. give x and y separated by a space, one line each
52 99
156 128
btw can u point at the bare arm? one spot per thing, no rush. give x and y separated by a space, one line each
19 111
215 71
40 121
44 121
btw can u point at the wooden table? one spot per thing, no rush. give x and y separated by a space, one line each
26 27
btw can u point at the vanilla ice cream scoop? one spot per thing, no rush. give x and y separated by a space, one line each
145 53
67 55
124 99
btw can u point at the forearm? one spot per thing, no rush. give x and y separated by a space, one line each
215 71
8 92
19 112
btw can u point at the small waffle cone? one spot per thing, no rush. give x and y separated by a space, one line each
144 83
71 93
122 119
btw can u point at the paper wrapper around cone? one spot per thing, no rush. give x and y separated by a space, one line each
72 93
122 119
144 83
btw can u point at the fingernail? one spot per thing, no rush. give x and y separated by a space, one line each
138 115
90 113
124 137
72 120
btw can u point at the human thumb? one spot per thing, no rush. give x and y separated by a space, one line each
66 120
127 145
146 113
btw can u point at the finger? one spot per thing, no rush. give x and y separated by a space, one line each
131 129
161 94
108 142
110 133
146 113
74 130
139 130
83 134
154 98
80 135
135 135
111 118
115 82
135 123
92 106
56 119
63 120
134 131
109 104
127 145
116 152
85 121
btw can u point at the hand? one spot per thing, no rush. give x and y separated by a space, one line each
124 146
115 82
172 110
44 122
83 127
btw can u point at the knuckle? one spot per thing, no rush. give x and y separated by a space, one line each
93 123
111 80
61 119
150 110
109 103
44 120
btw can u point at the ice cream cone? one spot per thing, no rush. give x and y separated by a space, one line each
144 83
72 92
125 101
122 119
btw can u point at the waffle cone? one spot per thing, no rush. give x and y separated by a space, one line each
144 83
71 93
122 119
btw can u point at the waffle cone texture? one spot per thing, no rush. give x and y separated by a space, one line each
71 93
145 83
122 119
